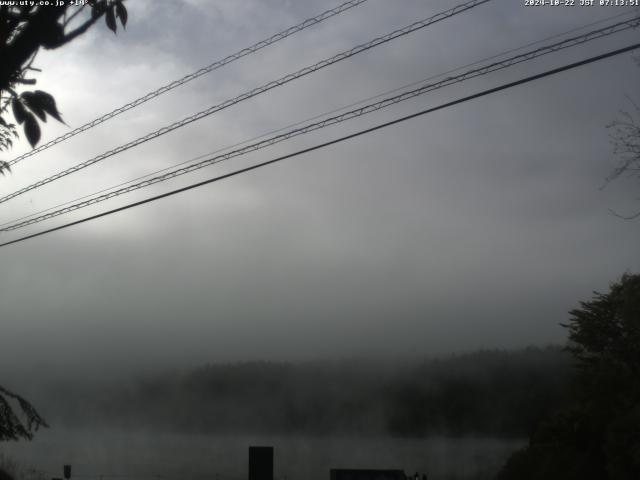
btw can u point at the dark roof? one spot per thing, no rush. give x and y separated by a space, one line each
366 474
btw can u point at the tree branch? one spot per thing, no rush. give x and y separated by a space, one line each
74 15
625 217
75 33
11 428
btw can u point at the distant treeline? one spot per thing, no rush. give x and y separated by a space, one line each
487 392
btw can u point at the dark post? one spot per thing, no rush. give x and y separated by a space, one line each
260 463
67 471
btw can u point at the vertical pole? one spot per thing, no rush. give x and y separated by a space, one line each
260 463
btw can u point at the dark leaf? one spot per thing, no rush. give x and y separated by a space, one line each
121 12
3 123
48 104
32 101
19 112
97 8
51 34
110 17
4 166
32 129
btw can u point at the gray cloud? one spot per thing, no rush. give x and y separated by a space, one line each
478 226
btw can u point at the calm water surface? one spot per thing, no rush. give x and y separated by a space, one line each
118 455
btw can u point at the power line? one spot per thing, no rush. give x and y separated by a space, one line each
315 117
323 114
616 28
309 22
335 141
527 56
252 93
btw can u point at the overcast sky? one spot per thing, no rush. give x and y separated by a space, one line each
479 226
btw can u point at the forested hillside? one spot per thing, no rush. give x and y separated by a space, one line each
488 392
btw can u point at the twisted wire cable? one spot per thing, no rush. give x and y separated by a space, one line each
252 93
359 133
301 122
372 107
309 22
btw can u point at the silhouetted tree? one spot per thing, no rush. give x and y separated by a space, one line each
12 426
604 338
24 29
625 138
599 437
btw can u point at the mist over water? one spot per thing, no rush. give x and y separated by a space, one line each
118 454
458 417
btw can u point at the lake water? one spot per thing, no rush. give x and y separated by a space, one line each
117 455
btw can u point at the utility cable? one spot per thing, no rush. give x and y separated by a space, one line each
334 141
527 56
252 93
309 22
323 114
